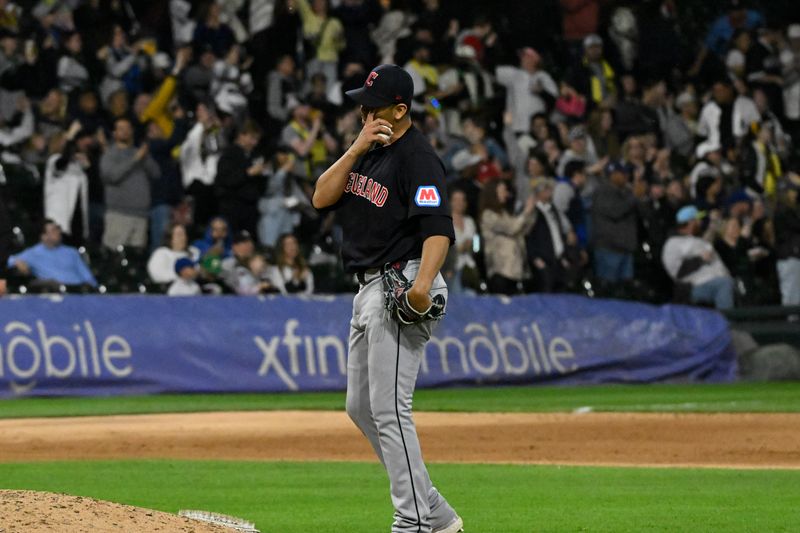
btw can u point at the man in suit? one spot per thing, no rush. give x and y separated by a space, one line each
551 244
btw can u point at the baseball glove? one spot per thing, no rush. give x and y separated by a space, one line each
396 287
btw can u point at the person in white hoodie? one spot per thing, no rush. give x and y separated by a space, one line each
200 153
528 89
66 186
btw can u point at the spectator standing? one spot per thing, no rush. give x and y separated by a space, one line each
681 128
240 179
53 261
232 83
549 242
790 65
307 136
529 90
122 65
787 238
166 191
708 166
759 165
211 30
736 58
424 75
12 135
66 186
175 245
495 159
726 117
763 65
722 30
51 114
290 274
199 157
197 78
614 226
581 149
465 88
281 197
603 133
568 201
504 238
283 88
465 231
126 172
692 260
595 78
324 35
72 71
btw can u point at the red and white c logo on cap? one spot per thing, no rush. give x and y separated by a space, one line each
371 78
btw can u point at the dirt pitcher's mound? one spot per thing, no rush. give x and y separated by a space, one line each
39 512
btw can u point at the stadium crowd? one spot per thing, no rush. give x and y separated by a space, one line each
638 150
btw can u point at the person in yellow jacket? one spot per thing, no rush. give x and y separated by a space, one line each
157 109
596 78
305 134
325 35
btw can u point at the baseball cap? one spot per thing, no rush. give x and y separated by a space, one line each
6 33
577 132
592 40
683 99
242 236
687 214
739 196
385 85
617 166
466 51
183 262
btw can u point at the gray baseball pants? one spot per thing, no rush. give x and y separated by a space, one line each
383 361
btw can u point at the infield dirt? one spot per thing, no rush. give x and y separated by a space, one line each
620 439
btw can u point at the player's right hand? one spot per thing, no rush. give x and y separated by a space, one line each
375 130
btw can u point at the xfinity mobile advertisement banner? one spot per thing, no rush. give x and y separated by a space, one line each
113 345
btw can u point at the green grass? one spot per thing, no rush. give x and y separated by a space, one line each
740 397
354 498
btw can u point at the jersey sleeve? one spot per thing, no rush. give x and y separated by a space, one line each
427 195
426 191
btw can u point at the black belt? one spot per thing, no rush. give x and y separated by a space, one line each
367 275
